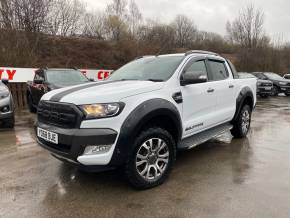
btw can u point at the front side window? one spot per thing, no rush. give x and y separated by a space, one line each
218 69
198 68
159 68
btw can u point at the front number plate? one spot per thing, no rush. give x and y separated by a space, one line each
47 135
268 88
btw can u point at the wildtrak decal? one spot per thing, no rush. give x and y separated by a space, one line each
194 127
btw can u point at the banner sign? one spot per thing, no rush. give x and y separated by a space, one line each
20 75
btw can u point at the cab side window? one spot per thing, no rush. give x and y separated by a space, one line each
39 76
198 68
218 69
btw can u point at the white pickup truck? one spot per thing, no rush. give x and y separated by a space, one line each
145 112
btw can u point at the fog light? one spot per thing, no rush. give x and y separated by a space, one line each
5 109
96 149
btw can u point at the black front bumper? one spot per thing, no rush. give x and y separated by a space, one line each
285 89
72 142
264 91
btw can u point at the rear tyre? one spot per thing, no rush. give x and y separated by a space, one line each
242 124
151 162
31 108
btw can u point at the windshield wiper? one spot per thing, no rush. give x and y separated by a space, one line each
155 80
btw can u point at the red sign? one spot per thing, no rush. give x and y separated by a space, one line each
7 74
102 75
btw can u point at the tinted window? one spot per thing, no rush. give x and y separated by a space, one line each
158 68
198 68
218 69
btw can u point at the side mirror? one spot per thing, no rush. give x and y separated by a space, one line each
5 81
38 81
192 77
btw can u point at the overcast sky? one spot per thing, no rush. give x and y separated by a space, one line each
212 15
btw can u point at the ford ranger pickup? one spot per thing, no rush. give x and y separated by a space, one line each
146 111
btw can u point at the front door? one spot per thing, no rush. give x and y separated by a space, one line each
199 101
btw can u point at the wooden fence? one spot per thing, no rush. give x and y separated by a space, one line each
18 91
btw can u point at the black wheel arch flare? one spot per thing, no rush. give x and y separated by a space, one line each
136 120
245 93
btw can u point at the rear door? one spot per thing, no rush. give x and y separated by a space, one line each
199 100
222 80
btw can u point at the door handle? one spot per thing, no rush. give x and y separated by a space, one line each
231 86
210 90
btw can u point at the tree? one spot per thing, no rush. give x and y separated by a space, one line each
65 17
116 20
248 29
134 18
94 25
27 15
185 30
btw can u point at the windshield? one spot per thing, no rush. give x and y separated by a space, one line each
65 77
273 76
151 68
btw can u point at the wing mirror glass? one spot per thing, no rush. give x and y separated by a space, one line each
193 77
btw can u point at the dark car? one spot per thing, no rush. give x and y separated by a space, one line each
46 80
264 87
286 76
280 84
6 105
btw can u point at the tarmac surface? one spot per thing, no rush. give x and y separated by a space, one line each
221 178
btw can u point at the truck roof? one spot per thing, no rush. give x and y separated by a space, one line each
194 53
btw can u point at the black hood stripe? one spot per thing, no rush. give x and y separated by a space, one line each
57 97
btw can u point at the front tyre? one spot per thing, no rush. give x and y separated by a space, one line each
242 124
152 159
31 108
275 91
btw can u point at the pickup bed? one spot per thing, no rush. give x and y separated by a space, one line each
46 80
147 110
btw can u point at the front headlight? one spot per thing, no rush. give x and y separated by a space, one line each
283 83
4 94
97 111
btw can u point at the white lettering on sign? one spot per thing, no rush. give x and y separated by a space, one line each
25 74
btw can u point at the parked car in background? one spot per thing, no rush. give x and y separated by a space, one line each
6 105
144 113
264 87
280 84
46 80
286 76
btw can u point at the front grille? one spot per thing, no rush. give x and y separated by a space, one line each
266 84
59 114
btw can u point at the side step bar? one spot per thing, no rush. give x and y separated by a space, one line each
195 140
